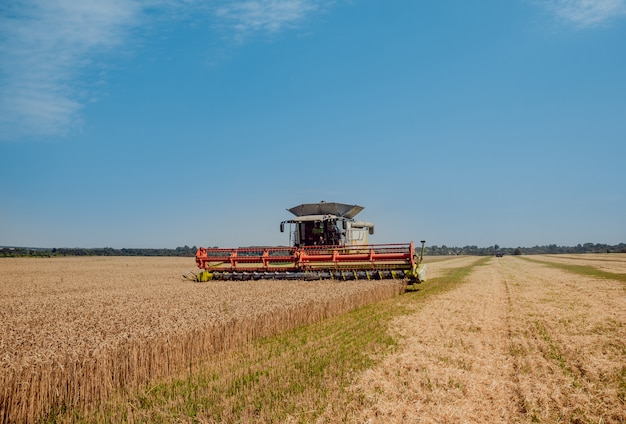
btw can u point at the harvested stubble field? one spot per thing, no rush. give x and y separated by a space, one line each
518 341
485 340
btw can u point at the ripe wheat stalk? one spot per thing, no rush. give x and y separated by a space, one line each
76 330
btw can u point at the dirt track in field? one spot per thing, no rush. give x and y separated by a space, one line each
518 342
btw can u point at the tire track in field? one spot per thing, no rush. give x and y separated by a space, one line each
517 391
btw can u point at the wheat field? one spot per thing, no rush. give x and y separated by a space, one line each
75 330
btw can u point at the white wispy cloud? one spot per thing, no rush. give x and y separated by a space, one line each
587 13
266 15
48 47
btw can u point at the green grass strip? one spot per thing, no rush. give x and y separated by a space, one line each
581 269
554 352
293 376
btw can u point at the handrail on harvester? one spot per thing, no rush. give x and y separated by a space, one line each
360 257
245 258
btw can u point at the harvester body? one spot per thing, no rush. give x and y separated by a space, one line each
325 241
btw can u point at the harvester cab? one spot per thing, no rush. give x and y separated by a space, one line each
327 224
325 242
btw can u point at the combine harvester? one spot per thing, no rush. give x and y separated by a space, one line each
325 242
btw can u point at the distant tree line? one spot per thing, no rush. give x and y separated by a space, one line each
536 250
103 251
429 250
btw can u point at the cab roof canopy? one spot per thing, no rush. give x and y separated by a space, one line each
324 208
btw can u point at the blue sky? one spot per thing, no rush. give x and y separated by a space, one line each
137 123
